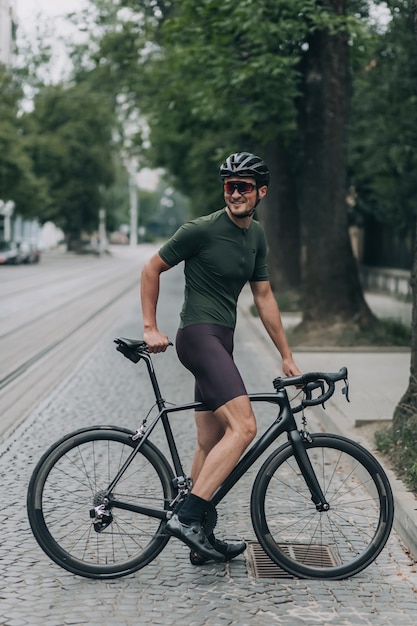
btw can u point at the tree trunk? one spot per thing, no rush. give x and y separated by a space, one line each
407 407
406 411
278 213
332 293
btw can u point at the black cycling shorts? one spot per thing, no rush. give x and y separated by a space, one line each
206 350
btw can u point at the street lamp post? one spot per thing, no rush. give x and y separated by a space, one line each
6 209
133 204
102 230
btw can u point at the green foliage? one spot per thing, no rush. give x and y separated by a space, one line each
163 212
382 332
115 199
207 78
289 301
384 125
69 134
210 78
17 181
238 62
401 448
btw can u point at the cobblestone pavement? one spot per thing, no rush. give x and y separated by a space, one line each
108 389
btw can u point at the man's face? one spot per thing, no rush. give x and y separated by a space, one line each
241 195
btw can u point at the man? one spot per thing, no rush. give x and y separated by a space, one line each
222 251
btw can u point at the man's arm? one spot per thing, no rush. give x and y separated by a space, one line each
149 292
268 310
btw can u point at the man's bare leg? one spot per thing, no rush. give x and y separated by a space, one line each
209 432
238 421
218 434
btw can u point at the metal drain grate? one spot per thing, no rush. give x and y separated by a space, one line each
263 567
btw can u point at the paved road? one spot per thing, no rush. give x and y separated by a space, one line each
61 306
106 388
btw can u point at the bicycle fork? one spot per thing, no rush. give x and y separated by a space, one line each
304 463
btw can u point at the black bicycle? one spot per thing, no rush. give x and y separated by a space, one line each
321 505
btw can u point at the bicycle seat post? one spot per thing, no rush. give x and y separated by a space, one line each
152 375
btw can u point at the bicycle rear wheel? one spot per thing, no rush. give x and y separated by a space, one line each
334 544
71 479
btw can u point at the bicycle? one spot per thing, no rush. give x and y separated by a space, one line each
321 504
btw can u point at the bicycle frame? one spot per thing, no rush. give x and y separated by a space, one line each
285 422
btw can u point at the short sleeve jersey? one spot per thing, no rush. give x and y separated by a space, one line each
220 258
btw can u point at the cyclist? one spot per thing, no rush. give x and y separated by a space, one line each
222 251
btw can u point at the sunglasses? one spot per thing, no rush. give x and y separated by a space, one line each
241 186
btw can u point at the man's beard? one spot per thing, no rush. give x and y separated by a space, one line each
241 216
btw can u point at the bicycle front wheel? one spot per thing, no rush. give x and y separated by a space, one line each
334 544
70 481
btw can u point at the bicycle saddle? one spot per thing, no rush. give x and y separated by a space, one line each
132 349
131 343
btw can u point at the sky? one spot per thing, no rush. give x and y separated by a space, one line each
29 8
32 13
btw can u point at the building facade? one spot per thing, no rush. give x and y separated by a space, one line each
7 31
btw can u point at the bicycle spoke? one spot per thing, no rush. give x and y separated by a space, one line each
323 544
71 484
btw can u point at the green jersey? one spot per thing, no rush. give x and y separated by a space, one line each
220 258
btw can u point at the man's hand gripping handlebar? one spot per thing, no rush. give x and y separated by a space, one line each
315 380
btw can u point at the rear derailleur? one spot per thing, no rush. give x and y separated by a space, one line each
101 513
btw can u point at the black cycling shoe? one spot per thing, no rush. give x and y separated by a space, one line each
193 535
229 550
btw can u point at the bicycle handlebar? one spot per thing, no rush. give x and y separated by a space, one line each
314 380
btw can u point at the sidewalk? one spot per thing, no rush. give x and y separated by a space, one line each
378 379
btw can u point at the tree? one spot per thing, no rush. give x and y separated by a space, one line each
243 97
216 76
383 141
280 216
332 294
17 180
241 94
69 134
404 426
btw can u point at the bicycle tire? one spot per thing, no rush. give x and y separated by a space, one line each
66 484
335 544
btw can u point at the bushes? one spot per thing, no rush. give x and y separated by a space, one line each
400 446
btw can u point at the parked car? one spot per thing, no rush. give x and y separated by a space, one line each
28 252
9 253
119 238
